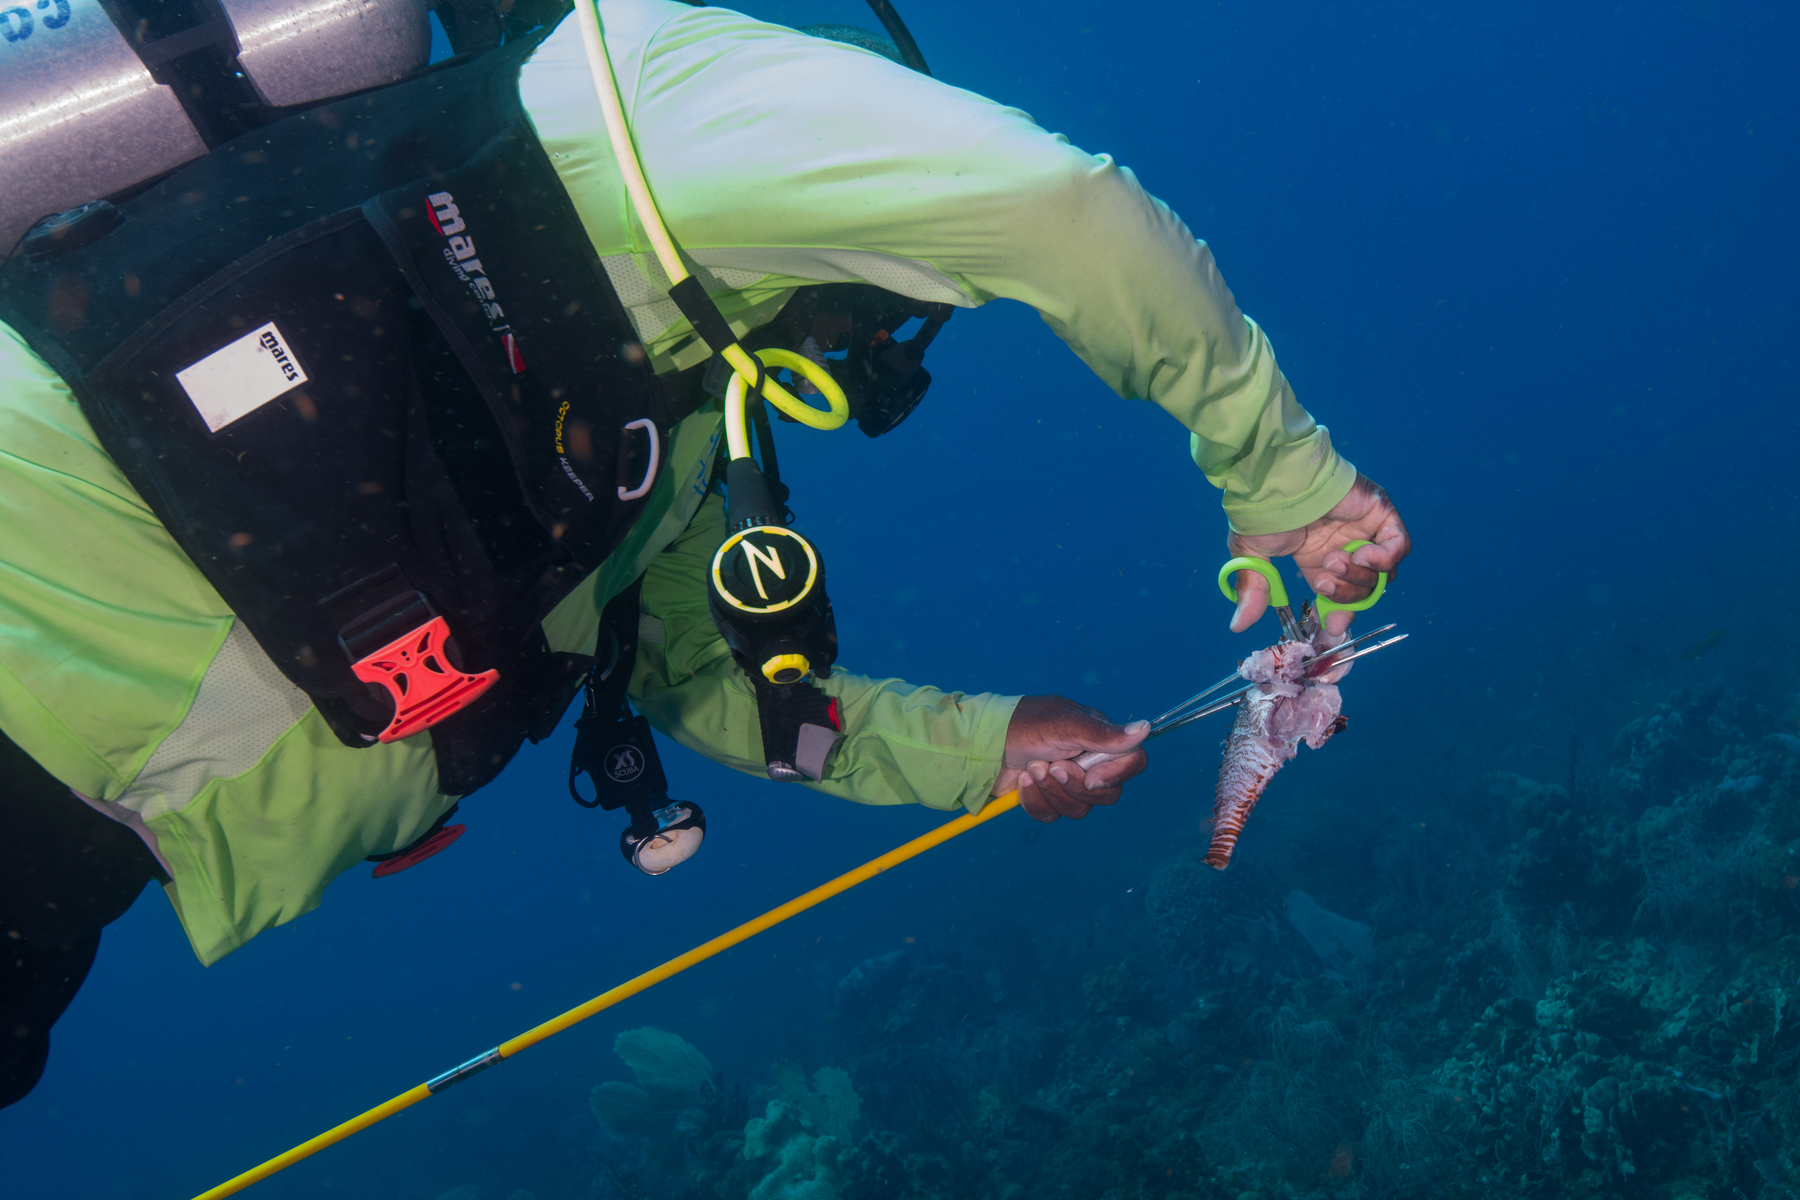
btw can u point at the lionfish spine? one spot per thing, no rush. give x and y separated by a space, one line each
1250 762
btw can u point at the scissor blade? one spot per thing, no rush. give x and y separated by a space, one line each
1326 659
1366 651
1224 702
1194 699
1352 642
1094 758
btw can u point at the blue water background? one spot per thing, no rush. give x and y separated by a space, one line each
1533 265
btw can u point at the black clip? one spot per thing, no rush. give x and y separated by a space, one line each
800 727
619 755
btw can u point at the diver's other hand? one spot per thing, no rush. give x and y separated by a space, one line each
1366 514
1046 736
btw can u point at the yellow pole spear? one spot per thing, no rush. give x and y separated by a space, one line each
605 1000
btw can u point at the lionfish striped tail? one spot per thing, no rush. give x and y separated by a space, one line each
1218 856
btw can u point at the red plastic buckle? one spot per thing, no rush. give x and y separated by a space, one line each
425 687
438 841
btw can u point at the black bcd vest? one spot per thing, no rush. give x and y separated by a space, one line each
367 369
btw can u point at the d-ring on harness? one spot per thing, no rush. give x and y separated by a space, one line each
643 489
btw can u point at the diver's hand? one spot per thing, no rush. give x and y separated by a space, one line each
1046 735
1366 514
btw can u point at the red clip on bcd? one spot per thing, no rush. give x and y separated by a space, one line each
417 674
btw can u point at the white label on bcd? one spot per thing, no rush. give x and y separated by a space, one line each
242 377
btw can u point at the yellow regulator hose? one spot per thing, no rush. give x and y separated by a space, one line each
685 290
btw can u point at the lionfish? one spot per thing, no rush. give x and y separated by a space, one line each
1293 698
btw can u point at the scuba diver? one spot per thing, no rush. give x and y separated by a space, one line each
351 425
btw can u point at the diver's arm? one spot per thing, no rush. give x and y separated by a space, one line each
902 744
811 151
1142 302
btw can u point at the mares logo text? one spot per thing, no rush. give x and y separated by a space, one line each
459 254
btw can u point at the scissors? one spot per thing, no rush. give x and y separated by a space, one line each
1198 706
1278 597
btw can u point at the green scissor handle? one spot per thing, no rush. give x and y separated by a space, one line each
1277 590
1278 594
1327 607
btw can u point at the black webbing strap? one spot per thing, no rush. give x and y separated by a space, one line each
771 466
615 654
698 307
613 747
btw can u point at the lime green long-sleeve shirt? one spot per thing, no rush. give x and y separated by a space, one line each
779 161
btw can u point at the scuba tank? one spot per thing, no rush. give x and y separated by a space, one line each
101 98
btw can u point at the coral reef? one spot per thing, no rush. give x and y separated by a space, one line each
1343 945
677 1122
799 1164
1585 987
673 1100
